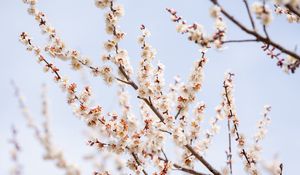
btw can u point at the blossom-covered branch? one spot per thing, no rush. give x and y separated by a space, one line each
164 112
264 14
17 167
44 138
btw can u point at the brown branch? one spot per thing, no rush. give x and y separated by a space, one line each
202 160
157 113
281 168
160 116
266 32
166 158
138 161
181 168
291 8
135 86
249 14
50 65
187 170
264 26
162 130
244 153
131 83
178 112
255 34
126 82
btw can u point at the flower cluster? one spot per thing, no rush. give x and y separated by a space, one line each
292 3
141 141
161 100
151 81
56 47
230 113
188 91
262 12
255 149
82 109
291 17
251 157
275 167
27 41
44 138
145 73
196 32
220 34
261 125
127 114
112 17
203 144
195 123
17 168
103 3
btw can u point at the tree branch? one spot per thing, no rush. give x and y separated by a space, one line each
281 168
202 160
181 168
249 14
121 69
187 170
244 153
291 8
240 41
178 112
152 108
255 34
158 114
138 161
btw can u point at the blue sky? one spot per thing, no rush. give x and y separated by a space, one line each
258 80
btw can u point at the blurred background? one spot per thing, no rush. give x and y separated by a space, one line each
80 24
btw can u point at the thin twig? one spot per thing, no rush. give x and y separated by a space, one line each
249 14
121 69
281 168
187 170
126 82
240 41
178 112
183 169
152 108
229 154
264 26
166 158
244 153
138 161
266 32
162 130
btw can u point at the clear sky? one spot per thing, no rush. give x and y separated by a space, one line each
258 80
